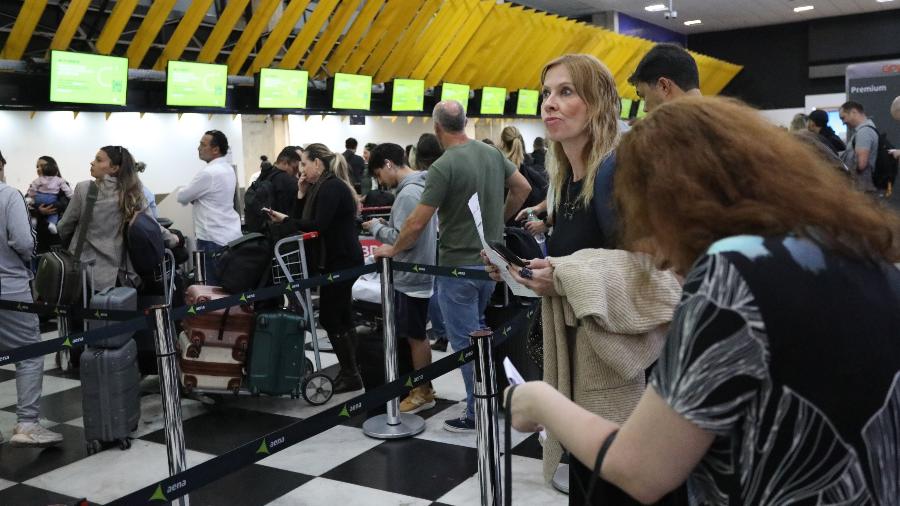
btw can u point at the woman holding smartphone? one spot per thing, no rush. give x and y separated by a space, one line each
327 204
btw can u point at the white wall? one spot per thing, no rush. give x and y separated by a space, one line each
782 117
825 101
167 144
333 130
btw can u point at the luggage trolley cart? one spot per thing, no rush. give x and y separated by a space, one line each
289 265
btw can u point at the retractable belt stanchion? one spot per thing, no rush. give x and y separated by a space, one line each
393 424
487 429
171 397
199 260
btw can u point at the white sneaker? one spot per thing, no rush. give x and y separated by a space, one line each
52 228
34 435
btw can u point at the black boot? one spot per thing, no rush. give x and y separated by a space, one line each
348 380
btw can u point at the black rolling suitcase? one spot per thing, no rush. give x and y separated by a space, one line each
370 359
111 401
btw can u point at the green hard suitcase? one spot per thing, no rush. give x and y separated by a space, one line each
277 363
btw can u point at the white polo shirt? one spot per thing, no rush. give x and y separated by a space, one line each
212 194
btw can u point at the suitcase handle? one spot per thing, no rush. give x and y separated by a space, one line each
222 323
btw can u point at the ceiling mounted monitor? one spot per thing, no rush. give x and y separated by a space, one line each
282 89
458 92
626 108
527 103
493 100
88 78
196 84
408 95
352 91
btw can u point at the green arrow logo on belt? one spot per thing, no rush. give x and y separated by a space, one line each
243 298
455 273
263 447
158 494
416 268
192 311
409 382
344 412
67 343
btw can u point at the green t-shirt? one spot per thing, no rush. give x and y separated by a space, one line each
463 170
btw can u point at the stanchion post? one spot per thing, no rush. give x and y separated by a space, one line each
393 424
487 429
171 397
199 260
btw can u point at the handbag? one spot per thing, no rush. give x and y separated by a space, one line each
58 277
245 263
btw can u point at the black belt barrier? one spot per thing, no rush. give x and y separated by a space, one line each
260 448
139 320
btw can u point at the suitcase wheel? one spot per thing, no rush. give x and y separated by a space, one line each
93 446
197 338
317 389
124 444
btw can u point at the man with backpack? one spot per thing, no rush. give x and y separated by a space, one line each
867 154
276 189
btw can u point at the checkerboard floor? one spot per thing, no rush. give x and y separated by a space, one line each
339 466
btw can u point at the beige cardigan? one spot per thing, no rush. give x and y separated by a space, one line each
603 332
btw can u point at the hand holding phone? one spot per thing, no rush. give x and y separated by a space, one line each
507 254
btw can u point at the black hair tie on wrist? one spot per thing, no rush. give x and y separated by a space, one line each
599 463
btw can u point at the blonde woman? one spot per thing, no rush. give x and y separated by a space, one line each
597 344
512 145
327 204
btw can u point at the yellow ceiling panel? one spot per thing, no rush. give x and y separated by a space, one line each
392 35
521 66
442 40
116 22
23 29
305 38
383 22
192 18
289 18
69 24
217 38
441 23
251 34
403 47
478 48
471 25
149 29
356 31
329 37
512 49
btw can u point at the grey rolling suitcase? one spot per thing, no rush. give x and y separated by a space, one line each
111 401
119 298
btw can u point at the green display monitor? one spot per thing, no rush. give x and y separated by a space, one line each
196 84
458 92
409 95
642 109
626 108
527 103
352 91
282 89
493 100
88 78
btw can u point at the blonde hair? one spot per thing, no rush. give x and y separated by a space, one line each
333 162
596 86
512 146
342 170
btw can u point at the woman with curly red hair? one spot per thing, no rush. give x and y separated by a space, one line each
779 381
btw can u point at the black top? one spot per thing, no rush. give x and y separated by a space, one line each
537 158
334 217
831 139
284 186
576 226
357 167
790 355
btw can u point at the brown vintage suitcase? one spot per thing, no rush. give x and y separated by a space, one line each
224 328
212 369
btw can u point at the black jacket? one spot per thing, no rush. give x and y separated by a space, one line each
334 218
831 139
285 187
357 167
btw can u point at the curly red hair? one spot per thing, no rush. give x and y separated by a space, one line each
684 181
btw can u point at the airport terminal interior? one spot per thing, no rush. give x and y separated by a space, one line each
211 108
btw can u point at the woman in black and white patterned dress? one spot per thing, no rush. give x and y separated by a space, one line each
780 379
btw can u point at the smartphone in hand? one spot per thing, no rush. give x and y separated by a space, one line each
507 254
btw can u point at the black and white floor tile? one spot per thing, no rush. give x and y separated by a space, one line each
339 466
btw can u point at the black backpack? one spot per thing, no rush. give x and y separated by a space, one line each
885 171
245 263
260 194
144 241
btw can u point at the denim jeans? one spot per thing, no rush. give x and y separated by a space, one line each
438 330
462 303
49 199
210 248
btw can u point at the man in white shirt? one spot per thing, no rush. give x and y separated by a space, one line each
216 223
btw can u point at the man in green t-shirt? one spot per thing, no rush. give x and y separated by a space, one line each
467 167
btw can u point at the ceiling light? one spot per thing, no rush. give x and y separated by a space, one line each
655 8
804 8
692 22
884 1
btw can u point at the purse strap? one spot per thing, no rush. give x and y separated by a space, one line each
507 448
85 221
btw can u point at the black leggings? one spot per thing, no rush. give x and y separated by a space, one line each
335 307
